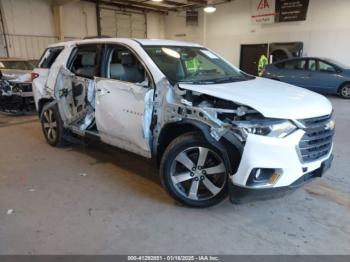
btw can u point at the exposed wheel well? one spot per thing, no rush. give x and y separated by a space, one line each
169 133
174 130
42 102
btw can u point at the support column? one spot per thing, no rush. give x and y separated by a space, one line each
58 17
98 17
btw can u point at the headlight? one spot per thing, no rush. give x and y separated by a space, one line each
267 127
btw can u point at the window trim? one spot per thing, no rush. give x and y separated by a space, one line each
40 61
295 60
325 62
104 64
71 59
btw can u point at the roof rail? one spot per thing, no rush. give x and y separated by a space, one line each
93 37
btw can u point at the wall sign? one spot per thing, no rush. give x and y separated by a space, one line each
291 10
263 11
276 11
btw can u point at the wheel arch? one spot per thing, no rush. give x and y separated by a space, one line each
230 150
41 103
343 84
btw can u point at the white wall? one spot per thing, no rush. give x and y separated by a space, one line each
30 24
326 32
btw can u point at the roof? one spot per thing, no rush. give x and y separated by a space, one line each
164 42
145 42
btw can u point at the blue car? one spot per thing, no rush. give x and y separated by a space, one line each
321 75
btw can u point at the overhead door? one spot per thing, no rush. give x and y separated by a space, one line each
123 24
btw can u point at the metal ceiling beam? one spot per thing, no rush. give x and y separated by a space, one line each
139 4
126 5
143 4
146 6
64 2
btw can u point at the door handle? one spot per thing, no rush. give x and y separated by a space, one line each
103 91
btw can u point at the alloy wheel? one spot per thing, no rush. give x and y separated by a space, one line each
50 125
345 91
198 173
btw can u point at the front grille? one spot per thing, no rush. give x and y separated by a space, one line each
317 140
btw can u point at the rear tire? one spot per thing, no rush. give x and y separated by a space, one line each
344 91
194 172
52 126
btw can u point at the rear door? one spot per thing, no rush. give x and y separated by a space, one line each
324 76
75 85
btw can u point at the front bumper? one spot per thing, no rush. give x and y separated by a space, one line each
281 154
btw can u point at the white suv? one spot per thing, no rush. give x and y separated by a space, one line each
212 128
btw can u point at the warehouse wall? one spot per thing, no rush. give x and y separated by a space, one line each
325 33
155 25
29 25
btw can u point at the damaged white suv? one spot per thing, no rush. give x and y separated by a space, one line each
213 129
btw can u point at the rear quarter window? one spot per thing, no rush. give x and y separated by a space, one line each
49 57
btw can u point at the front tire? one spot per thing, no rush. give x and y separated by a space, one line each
344 91
194 172
52 126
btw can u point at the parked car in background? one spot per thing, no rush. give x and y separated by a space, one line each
16 69
16 95
321 75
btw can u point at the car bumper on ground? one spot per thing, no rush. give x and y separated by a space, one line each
280 157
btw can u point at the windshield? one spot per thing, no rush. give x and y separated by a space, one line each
193 65
19 65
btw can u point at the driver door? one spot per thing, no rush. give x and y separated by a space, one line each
124 102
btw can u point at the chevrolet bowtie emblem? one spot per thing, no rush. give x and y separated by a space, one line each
330 125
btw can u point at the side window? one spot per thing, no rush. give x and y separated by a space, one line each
49 57
312 65
280 65
296 64
325 67
123 65
85 61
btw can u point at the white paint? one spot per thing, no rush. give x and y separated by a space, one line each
326 32
123 112
120 115
278 153
271 98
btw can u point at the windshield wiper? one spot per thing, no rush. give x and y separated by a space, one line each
229 79
196 82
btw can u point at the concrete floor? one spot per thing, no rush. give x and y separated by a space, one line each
98 200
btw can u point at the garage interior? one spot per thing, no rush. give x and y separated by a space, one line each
91 198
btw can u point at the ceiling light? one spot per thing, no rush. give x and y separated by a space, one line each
171 52
209 9
157 0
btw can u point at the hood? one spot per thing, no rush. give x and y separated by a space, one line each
271 98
